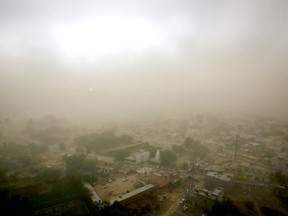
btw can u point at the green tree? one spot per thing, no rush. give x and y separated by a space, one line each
281 178
195 146
78 167
106 208
178 149
26 160
168 158
92 142
49 175
227 207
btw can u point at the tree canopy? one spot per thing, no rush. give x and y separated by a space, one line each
195 146
92 142
168 158
78 167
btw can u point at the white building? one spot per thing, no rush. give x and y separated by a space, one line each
105 163
139 156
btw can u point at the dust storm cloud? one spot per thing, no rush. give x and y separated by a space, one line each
125 60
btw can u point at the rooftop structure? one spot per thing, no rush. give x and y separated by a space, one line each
216 194
139 156
159 179
227 177
107 164
207 198
144 171
215 179
133 194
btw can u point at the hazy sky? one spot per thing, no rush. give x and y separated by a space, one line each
132 59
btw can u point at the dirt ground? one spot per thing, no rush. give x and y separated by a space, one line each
260 196
109 190
52 158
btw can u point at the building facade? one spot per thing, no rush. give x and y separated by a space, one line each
206 199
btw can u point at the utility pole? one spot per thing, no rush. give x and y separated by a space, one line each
192 170
236 146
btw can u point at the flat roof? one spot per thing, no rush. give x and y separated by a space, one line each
213 195
225 176
132 193
157 174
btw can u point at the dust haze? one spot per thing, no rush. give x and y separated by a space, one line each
95 61
144 107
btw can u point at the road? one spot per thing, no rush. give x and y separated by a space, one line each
172 208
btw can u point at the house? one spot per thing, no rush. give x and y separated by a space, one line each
144 171
160 179
205 199
105 163
215 179
139 157
253 147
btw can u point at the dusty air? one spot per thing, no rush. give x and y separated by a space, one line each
144 107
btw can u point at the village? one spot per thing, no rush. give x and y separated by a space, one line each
169 167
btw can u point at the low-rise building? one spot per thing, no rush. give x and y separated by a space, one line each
215 179
205 199
159 179
105 163
139 156
144 171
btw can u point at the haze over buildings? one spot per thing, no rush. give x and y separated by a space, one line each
118 60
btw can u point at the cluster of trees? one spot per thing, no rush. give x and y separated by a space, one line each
120 154
147 205
168 158
36 200
104 208
47 129
273 132
179 149
78 168
227 207
267 211
48 175
196 147
32 148
26 154
95 141
281 178
191 145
